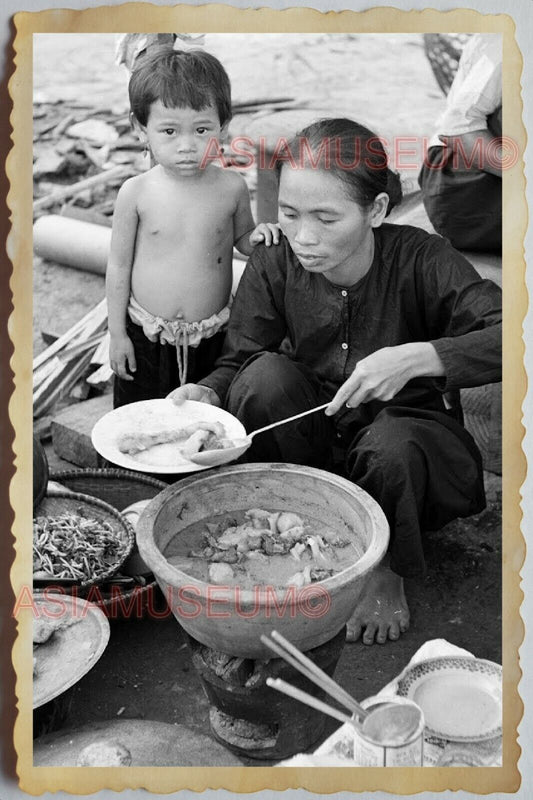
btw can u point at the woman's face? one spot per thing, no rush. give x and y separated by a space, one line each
328 232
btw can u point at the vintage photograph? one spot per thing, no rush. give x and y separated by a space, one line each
267 399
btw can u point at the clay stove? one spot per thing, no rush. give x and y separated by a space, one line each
225 627
252 719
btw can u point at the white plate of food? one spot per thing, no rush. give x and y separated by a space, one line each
69 636
461 697
156 435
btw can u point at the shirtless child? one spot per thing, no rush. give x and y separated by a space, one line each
169 273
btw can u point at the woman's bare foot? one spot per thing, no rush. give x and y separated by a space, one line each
382 611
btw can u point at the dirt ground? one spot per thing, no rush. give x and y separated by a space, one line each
386 82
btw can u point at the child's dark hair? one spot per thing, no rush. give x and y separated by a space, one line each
192 78
350 151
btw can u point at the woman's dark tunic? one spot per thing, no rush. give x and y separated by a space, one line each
418 289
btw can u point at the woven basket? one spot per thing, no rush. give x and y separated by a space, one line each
443 51
93 508
482 407
118 487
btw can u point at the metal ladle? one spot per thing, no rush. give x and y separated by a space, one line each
214 458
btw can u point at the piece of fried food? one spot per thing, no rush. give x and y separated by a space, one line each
215 428
206 436
194 443
138 441
214 442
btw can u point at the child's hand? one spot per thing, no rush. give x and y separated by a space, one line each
122 357
266 232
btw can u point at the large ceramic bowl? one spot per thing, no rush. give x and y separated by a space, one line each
233 622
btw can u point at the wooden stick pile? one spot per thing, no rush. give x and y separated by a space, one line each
57 369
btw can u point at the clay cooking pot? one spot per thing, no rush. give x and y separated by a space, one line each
234 625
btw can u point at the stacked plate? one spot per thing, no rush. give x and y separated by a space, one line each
461 697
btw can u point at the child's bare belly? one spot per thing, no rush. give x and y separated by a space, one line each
190 291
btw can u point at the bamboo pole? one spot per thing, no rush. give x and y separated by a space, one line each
59 367
44 371
101 354
97 315
100 376
59 384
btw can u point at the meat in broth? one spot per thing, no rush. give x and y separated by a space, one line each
260 548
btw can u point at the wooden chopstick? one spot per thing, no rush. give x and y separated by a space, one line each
296 658
308 699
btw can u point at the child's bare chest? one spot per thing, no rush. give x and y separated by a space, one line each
187 217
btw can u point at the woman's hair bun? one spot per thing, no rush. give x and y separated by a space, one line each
394 189
351 152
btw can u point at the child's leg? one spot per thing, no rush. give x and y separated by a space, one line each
157 367
201 359
156 373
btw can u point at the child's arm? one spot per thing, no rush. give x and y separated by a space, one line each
118 280
246 233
